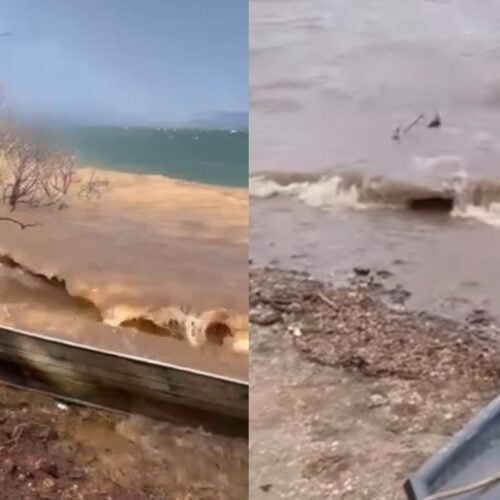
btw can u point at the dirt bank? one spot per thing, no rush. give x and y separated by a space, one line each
49 452
349 396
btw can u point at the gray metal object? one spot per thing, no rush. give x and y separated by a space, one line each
472 454
89 376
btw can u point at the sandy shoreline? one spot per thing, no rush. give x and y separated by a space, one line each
163 260
349 398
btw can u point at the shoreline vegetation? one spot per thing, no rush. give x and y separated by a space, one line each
352 394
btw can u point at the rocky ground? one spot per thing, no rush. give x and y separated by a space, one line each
350 392
49 451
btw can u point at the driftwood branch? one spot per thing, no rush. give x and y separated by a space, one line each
412 124
22 225
325 299
434 123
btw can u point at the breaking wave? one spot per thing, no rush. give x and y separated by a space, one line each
216 327
457 194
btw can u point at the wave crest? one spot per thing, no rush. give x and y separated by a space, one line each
216 327
457 194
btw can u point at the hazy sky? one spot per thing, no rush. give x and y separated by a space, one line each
125 60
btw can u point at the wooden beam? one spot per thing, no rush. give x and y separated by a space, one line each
123 383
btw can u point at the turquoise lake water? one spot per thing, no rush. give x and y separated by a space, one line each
208 156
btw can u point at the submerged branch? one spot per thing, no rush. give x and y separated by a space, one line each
22 225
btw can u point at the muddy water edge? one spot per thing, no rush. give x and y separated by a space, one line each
155 268
130 273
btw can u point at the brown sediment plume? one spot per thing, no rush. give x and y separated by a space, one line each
156 255
214 327
80 302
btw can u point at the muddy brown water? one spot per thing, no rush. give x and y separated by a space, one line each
155 268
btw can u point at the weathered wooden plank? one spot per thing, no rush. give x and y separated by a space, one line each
121 382
158 378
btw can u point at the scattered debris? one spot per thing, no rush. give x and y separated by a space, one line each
435 122
362 271
480 317
384 274
353 328
364 396
413 123
377 400
399 262
265 316
396 135
397 295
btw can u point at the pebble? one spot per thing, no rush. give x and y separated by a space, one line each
361 271
376 400
264 317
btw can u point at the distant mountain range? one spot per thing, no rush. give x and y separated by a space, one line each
224 120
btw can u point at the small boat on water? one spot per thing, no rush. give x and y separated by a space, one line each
468 467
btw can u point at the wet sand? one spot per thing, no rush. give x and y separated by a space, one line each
350 396
48 451
156 267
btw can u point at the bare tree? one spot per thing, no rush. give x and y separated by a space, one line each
24 160
58 177
32 173
35 173
93 188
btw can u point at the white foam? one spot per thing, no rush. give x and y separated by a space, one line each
329 193
324 193
490 215
261 187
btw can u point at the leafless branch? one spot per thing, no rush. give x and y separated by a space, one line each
22 225
413 123
36 174
31 172
93 188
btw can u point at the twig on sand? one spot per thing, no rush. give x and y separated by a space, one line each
22 225
325 299
18 432
483 483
